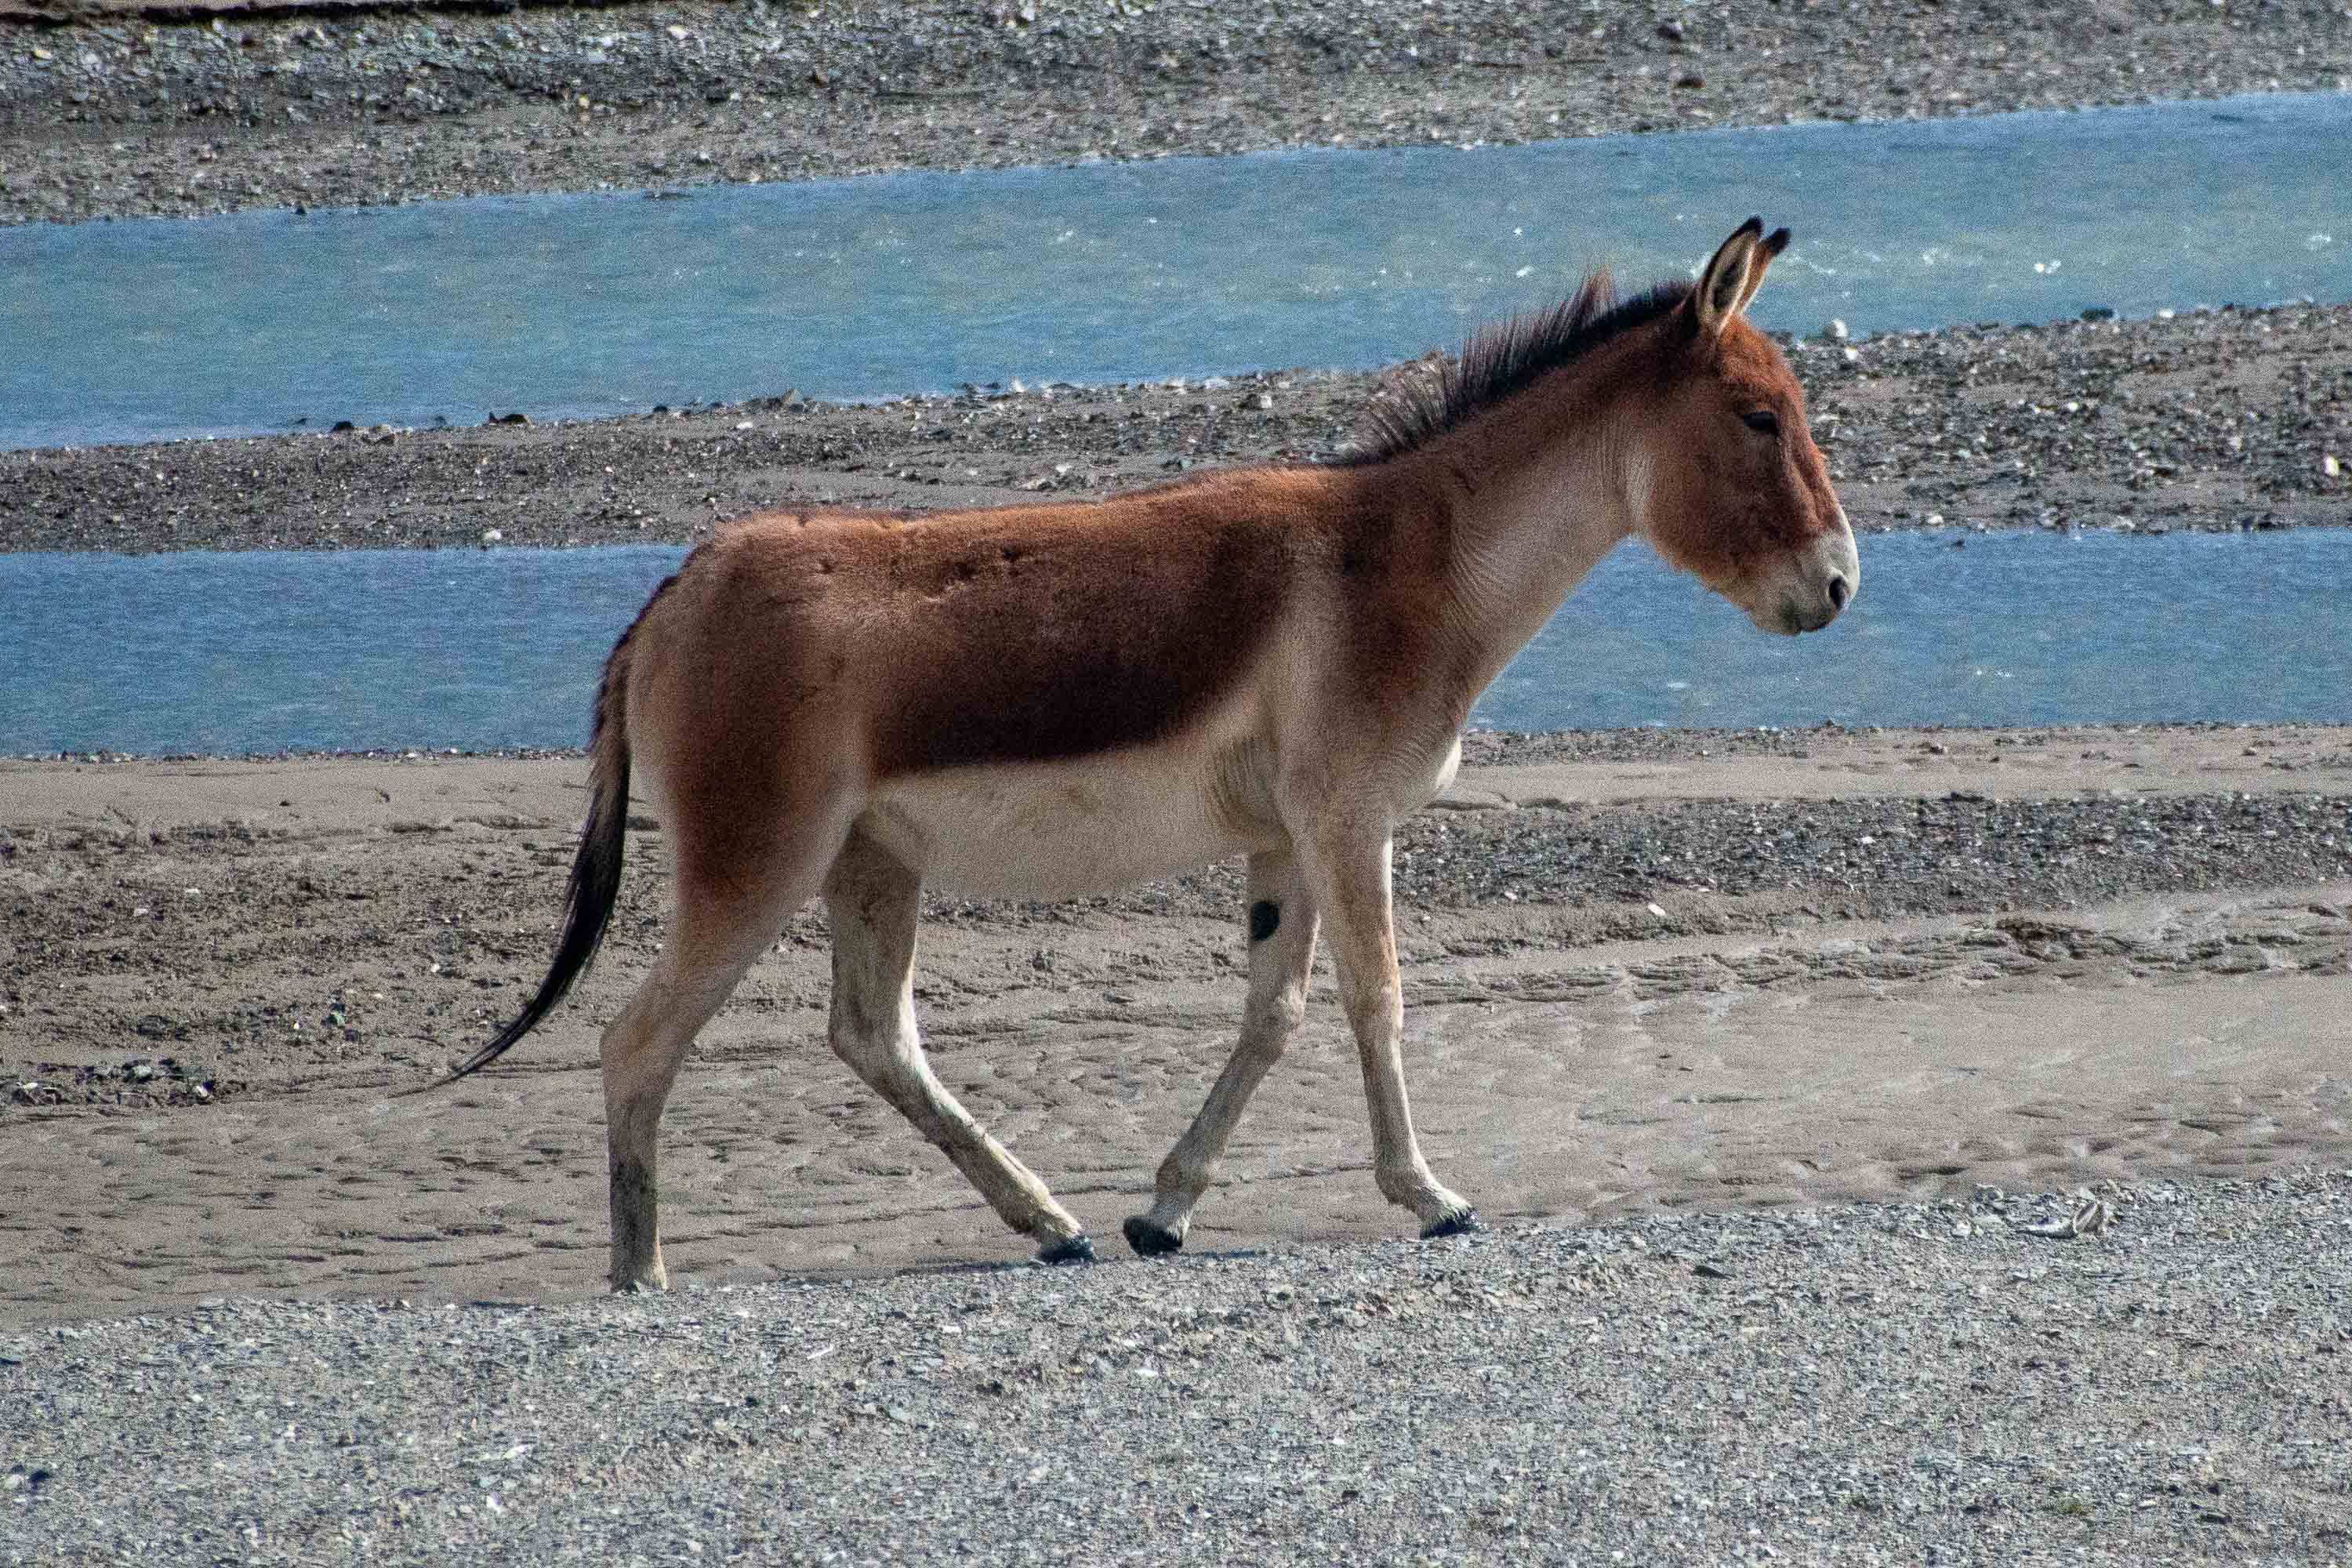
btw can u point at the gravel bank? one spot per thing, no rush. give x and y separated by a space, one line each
109 114
1910 1384
2222 419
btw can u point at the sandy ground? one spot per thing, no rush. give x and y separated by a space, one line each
1657 973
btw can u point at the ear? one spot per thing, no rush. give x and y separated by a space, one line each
1730 277
1770 246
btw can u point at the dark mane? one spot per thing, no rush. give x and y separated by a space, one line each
1496 363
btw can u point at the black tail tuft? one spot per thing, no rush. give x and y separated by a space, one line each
596 870
588 908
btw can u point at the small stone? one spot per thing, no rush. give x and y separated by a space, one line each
491 535
1835 329
677 33
1671 30
2329 465
1261 401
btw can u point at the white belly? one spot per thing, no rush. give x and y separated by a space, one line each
1050 830
1053 830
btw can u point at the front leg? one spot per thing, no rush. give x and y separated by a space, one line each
1347 875
1281 953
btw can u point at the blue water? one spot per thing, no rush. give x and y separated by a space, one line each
578 306
479 649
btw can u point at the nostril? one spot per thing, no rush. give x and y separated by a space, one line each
1839 592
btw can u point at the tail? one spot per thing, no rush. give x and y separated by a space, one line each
595 869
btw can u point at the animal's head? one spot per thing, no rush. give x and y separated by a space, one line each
1724 479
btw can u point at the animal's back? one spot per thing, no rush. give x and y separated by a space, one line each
1013 635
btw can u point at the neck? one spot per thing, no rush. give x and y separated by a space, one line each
1534 499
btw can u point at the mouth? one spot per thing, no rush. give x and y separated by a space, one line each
1809 606
1784 619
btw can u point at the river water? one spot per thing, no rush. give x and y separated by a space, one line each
595 305
262 651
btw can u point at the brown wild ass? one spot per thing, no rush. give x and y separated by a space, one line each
1040 701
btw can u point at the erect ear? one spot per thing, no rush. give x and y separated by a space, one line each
1730 277
1770 246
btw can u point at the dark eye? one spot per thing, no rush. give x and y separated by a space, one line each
1763 421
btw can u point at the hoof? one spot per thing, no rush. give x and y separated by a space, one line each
1466 1223
1152 1240
1078 1248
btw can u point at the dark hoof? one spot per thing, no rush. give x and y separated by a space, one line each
1077 1250
1151 1240
1466 1223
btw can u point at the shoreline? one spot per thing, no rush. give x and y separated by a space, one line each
2213 420
1481 747
115 115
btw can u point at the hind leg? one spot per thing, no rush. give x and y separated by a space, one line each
720 926
873 902
1281 954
